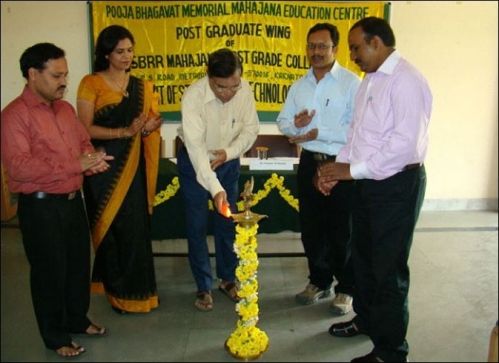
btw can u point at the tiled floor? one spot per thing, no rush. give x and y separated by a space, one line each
453 303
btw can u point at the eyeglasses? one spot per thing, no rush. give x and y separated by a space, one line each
320 46
223 89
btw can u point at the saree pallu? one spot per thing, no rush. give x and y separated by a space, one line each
119 203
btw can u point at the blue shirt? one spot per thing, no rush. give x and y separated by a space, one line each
332 98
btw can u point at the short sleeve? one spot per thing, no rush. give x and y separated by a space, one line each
87 89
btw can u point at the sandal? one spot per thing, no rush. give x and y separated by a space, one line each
70 351
229 289
204 301
95 330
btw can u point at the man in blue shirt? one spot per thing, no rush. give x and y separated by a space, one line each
317 115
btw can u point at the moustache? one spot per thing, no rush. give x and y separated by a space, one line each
62 88
317 58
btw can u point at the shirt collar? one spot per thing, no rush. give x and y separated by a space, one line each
390 63
333 72
335 69
209 95
33 100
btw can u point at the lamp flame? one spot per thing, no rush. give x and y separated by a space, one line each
225 210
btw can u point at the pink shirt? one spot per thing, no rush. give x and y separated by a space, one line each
390 122
41 145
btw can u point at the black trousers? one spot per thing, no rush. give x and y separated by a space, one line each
385 213
57 243
325 223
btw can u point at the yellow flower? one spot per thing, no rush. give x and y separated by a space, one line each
247 341
247 310
248 289
166 194
274 181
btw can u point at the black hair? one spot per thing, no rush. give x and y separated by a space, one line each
38 55
223 63
107 40
372 26
333 31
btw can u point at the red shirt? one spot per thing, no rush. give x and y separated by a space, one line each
41 145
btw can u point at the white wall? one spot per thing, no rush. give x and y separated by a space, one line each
24 23
454 44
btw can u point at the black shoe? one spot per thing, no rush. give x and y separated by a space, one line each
371 357
346 329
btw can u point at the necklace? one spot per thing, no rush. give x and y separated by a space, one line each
122 86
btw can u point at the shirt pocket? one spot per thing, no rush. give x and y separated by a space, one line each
374 119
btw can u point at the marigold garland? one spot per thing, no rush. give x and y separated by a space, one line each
247 342
169 192
274 181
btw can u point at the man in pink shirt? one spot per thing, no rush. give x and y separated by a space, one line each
384 154
46 151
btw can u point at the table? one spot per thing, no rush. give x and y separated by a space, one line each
168 219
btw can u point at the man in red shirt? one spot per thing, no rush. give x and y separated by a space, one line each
46 151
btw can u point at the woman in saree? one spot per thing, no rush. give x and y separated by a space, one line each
120 113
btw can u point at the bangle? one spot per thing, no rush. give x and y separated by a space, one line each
146 133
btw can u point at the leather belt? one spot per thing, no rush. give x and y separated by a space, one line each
412 166
320 156
324 157
43 195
